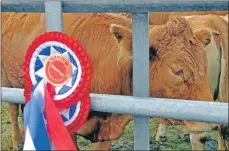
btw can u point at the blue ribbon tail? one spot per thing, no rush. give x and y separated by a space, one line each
34 121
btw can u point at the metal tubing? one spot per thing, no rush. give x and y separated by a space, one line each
117 5
139 107
53 16
211 112
141 76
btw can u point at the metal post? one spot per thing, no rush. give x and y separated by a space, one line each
53 15
53 18
141 76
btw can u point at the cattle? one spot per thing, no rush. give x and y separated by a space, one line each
177 65
217 64
160 18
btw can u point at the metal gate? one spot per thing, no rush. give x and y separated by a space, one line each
140 105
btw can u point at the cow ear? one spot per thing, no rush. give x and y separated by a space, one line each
204 36
123 36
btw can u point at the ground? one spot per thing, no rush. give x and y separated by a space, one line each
125 142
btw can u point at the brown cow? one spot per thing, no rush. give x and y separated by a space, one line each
177 64
219 28
217 63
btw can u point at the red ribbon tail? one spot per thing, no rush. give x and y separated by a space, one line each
55 126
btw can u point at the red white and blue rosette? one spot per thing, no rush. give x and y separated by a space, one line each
58 74
52 44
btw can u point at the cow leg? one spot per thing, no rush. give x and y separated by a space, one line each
13 110
195 140
161 131
198 131
17 139
113 127
101 145
184 131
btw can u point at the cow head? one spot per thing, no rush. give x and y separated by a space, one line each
177 60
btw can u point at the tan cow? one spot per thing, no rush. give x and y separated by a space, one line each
217 54
219 31
223 141
177 65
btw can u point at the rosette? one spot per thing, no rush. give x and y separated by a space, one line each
57 77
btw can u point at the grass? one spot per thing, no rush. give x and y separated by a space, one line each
173 141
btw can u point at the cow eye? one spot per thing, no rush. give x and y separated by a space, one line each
180 73
152 54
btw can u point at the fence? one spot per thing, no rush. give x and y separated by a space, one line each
140 105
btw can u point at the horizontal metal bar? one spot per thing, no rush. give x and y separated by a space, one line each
117 5
211 112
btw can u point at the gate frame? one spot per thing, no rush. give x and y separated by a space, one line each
140 21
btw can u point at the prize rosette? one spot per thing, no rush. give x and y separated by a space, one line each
56 49
57 68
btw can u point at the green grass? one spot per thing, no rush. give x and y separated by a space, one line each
124 143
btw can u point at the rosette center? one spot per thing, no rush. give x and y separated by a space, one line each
58 70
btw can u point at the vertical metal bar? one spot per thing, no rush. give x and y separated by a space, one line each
141 76
53 15
53 19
